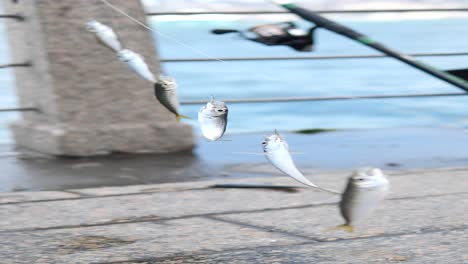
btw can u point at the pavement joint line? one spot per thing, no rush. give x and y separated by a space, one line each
202 252
80 195
144 219
261 228
163 219
84 196
90 196
430 230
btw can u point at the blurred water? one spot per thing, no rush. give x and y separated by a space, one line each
320 77
306 78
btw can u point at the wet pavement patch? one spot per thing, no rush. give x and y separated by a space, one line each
389 149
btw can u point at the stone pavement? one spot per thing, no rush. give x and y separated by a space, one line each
424 220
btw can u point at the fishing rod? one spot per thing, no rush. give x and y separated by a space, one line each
457 77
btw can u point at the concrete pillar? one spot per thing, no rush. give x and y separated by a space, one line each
90 103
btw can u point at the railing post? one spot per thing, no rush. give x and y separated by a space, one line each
89 102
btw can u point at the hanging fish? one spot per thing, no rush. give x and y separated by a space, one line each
276 150
213 119
137 63
165 90
105 35
366 188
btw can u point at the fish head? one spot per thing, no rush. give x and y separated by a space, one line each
94 26
369 178
215 108
166 82
274 142
126 55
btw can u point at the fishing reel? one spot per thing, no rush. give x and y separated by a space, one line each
277 34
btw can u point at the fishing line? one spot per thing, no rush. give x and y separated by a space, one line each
158 32
90 12
115 23
172 38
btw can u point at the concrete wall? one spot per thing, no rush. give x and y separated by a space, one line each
90 102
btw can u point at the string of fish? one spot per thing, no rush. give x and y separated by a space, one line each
355 203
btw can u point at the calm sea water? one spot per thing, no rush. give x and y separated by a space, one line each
272 79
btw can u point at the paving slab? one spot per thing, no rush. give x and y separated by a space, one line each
108 210
392 217
133 241
111 209
206 238
432 248
423 220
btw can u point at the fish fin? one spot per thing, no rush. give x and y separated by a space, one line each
345 227
179 117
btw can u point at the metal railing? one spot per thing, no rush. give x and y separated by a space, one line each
323 98
20 17
20 109
278 58
286 99
326 57
15 65
270 12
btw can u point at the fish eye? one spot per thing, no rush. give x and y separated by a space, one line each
360 179
264 143
220 110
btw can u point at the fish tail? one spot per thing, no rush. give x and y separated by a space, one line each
179 117
345 227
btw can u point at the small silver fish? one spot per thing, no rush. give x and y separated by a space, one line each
105 35
165 90
276 150
366 188
137 63
213 119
